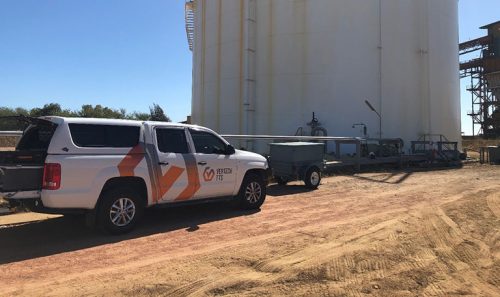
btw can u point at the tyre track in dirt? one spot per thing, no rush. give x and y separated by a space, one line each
352 237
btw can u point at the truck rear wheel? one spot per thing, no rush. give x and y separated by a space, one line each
120 210
252 192
312 178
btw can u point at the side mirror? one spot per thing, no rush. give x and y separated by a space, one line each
230 150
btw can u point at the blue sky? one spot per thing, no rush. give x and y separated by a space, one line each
118 53
122 53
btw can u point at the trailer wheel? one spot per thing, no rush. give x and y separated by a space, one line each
312 178
120 210
281 180
252 192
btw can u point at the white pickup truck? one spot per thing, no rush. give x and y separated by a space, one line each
112 169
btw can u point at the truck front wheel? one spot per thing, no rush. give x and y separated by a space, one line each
252 192
120 210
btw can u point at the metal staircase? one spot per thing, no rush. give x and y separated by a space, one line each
437 147
189 12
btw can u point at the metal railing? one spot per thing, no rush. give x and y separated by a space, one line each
11 133
289 138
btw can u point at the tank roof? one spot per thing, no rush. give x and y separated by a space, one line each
491 25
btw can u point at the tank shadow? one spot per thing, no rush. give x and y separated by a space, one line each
388 178
276 190
36 239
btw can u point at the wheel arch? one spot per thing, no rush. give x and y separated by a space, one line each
262 173
136 183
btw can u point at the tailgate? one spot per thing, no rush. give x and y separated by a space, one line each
21 171
20 178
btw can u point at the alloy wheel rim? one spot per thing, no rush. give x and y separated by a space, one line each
253 192
122 212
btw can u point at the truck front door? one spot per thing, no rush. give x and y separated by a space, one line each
217 170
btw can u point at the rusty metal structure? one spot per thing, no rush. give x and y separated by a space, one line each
484 74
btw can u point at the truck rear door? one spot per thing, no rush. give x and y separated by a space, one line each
175 167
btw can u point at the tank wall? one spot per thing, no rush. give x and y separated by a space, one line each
403 68
217 56
313 65
443 61
327 57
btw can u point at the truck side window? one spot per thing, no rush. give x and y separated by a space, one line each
172 141
95 135
207 143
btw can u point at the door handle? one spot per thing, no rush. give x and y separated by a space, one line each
203 163
163 163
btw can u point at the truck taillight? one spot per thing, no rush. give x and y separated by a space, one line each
51 176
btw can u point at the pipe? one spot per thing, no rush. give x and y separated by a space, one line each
248 63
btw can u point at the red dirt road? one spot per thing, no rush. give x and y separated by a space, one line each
431 233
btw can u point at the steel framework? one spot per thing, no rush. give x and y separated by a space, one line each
484 75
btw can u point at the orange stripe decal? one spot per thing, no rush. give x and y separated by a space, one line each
168 179
193 179
131 160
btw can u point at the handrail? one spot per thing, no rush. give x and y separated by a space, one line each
304 138
11 133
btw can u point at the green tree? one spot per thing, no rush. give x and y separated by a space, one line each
139 116
89 111
51 109
7 124
21 111
7 112
157 114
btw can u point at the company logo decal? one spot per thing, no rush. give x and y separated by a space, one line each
221 172
208 174
218 174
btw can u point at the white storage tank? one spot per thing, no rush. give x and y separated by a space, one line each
264 66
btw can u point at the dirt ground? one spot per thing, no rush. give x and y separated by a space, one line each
404 233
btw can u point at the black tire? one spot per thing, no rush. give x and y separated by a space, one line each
282 181
312 178
119 210
252 192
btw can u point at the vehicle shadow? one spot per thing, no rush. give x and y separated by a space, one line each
276 190
36 239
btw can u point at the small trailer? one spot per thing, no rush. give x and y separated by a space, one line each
297 161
